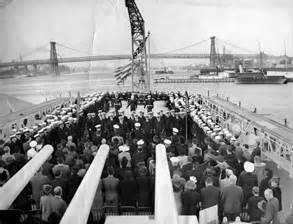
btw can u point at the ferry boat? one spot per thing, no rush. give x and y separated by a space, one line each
259 77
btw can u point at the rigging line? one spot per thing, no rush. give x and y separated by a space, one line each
155 49
235 46
70 48
186 47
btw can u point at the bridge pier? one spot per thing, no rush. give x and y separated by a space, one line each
213 54
53 58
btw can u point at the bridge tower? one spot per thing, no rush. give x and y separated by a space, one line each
53 58
213 53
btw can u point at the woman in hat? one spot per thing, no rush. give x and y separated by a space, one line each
190 198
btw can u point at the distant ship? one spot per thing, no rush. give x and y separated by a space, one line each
165 71
258 77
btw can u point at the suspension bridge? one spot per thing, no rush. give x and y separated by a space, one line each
56 58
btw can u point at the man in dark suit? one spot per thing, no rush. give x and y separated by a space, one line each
272 208
110 186
231 199
252 205
210 195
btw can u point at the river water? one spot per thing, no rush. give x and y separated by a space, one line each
274 101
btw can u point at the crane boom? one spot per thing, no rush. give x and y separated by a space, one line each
140 75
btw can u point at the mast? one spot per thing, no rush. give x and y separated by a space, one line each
285 54
260 57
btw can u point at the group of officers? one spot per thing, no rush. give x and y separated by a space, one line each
139 125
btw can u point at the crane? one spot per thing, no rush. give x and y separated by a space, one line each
138 45
138 68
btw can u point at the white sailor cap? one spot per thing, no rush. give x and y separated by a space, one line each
174 161
31 153
228 135
217 129
217 137
38 147
137 125
116 126
167 141
213 134
33 144
123 148
98 126
193 179
175 130
248 167
140 142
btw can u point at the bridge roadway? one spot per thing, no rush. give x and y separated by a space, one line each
112 57
282 132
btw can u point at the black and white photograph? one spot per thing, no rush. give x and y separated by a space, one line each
146 111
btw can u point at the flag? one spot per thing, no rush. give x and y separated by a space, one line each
122 72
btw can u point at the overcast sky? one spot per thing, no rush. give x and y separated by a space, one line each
102 26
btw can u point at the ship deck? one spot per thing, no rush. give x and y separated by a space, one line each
283 132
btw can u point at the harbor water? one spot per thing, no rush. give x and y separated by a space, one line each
273 101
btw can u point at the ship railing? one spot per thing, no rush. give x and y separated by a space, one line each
12 188
278 151
273 145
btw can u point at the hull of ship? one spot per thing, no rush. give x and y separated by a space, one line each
266 80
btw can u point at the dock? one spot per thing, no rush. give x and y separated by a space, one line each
193 80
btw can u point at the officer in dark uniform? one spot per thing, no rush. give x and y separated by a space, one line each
123 126
149 103
97 136
168 123
132 103
147 126
141 118
138 132
117 103
159 125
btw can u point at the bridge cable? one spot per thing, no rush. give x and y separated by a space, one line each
70 48
235 46
186 47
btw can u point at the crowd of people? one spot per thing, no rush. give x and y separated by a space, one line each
208 166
